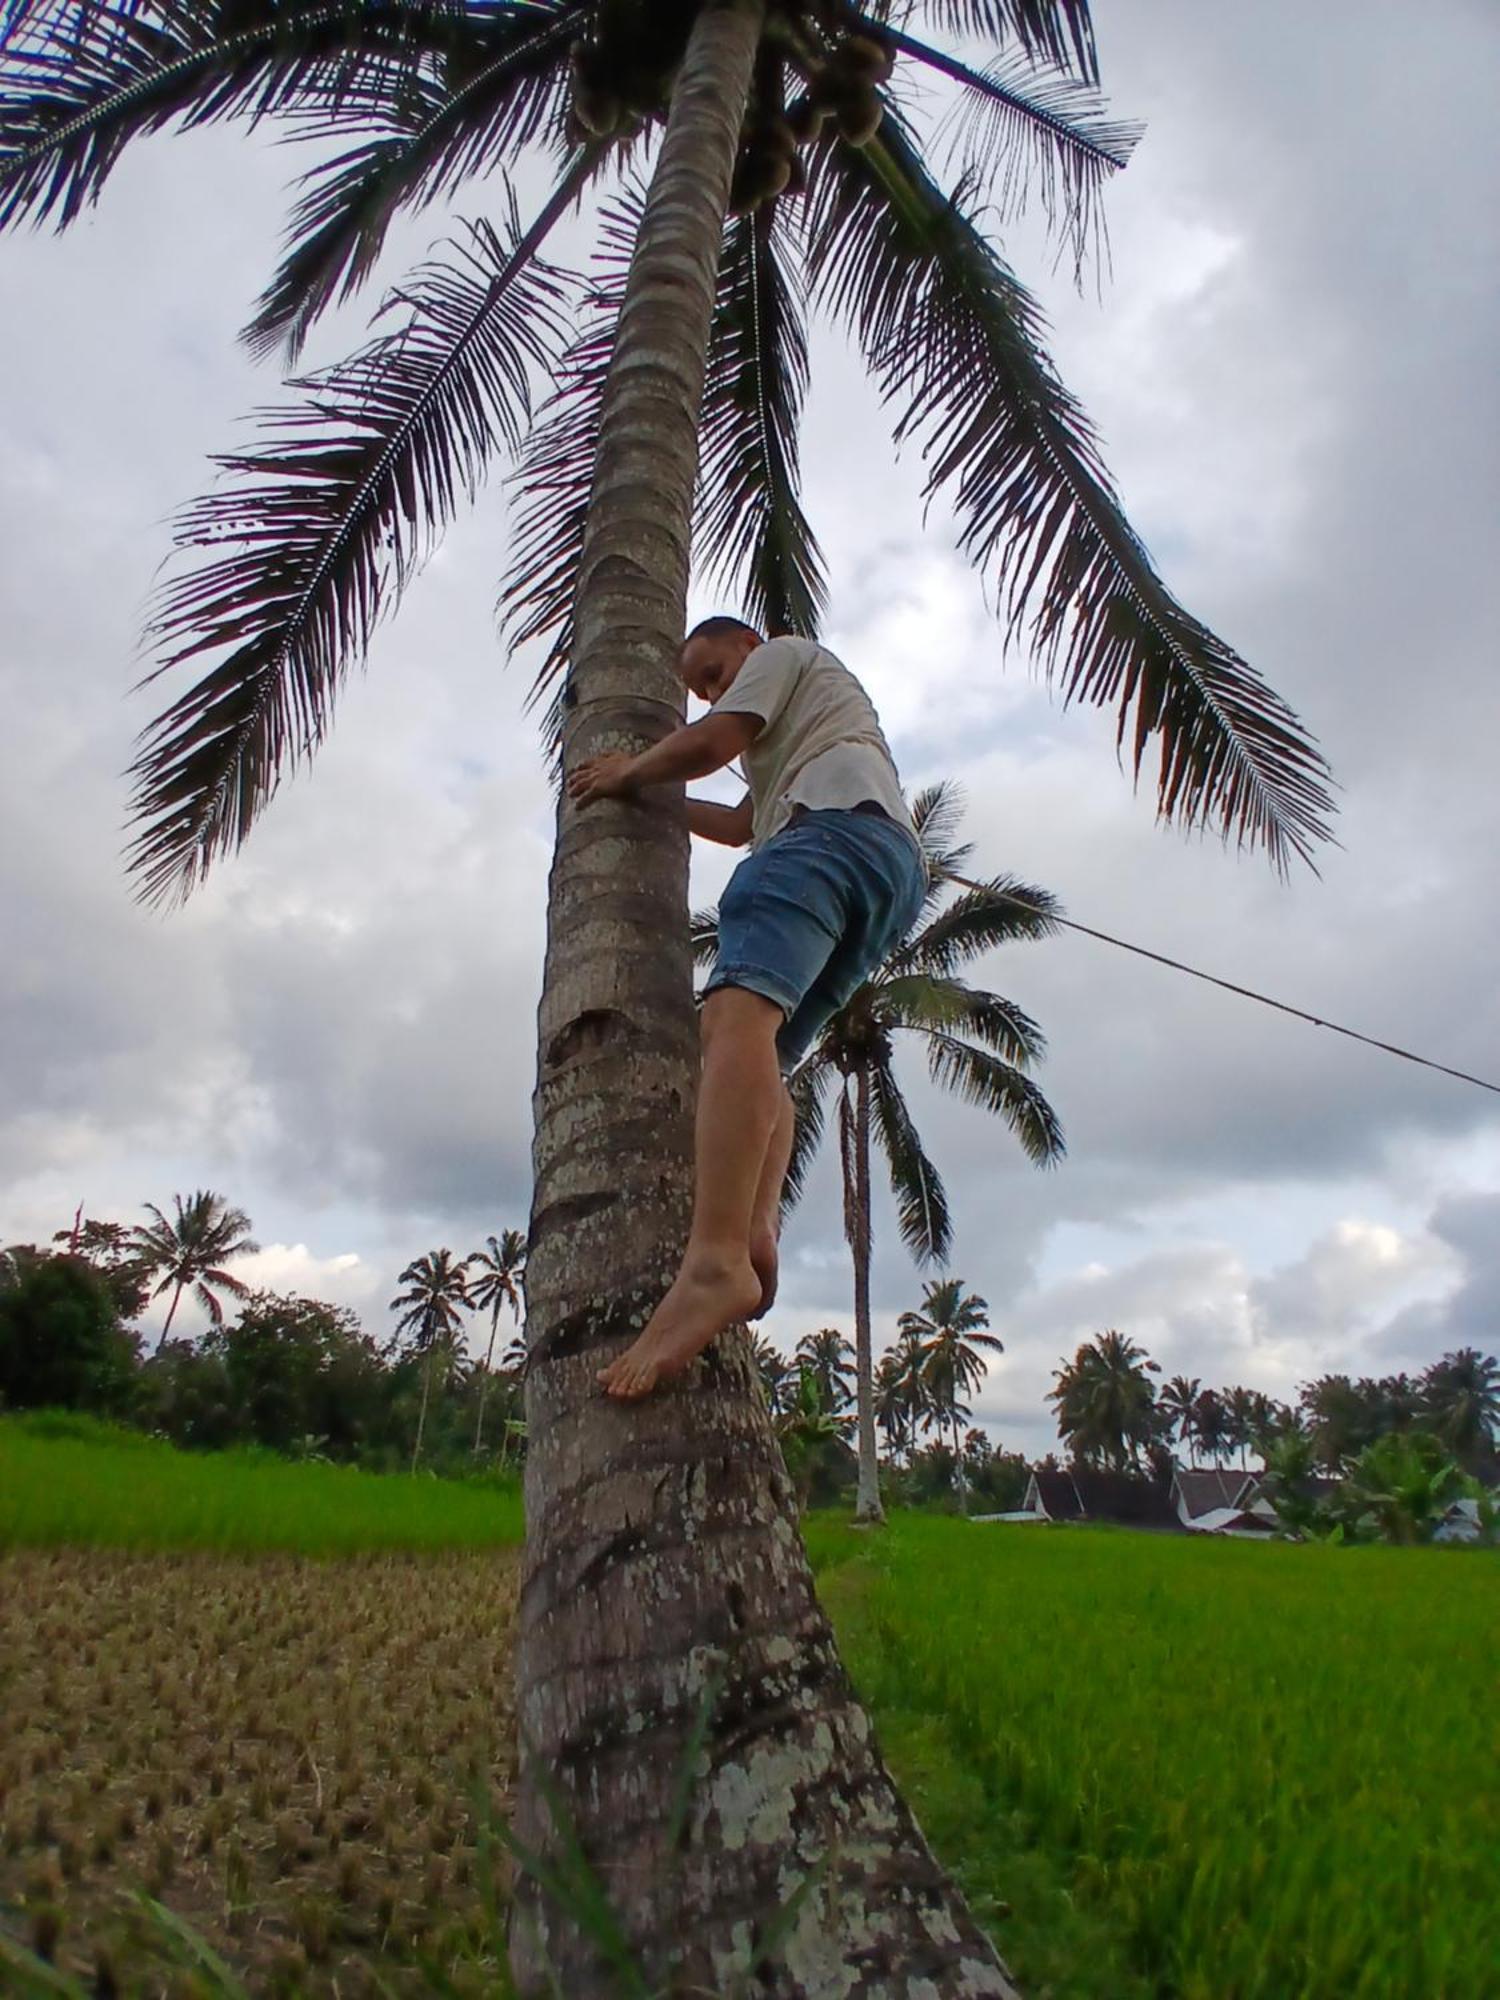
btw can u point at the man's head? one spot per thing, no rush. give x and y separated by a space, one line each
713 653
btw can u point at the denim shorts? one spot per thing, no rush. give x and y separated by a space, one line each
809 916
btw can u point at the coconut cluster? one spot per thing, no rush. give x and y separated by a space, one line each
303 1759
843 90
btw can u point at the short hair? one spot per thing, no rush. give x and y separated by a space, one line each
720 628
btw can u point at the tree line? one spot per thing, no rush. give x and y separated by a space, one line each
298 1375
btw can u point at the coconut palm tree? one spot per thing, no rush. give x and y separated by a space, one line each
1212 1426
317 529
1461 1396
777 1374
192 1249
432 1309
497 1273
901 1399
829 1358
952 1330
1106 1405
977 1045
1175 1403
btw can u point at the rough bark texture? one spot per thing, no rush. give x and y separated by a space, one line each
867 1505
666 1581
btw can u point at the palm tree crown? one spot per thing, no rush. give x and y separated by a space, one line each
192 1248
317 529
1106 1405
951 1332
497 1274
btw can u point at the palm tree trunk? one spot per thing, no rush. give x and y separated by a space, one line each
422 1413
171 1309
665 1577
484 1387
867 1507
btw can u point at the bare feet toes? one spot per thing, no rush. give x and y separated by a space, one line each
709 1294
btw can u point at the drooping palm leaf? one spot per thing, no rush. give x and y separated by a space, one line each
751 529
77 87
501 85
808 1087
1040 132
955 341
703 929
331 515
921 1199
950 1007
1058 32
995 1085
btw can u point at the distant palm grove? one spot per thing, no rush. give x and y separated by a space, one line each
302 1377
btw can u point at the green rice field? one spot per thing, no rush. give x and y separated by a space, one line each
1162 1768
1243 1771
69 1481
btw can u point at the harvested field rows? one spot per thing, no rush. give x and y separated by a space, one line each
279 1749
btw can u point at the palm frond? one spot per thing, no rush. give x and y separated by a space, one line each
995 1085
1025 130
955 339
1058 32
936 811
949 1006
1001 912
750 526
808 1087
78 83
331 516
921 1199
555 474
703 927
502 84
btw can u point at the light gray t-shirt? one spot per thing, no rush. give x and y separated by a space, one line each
822 745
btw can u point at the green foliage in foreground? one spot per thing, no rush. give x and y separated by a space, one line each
67 1479
1215 1770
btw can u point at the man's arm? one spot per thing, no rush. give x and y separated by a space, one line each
729 825
696 751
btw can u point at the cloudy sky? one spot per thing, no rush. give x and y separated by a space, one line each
1292 369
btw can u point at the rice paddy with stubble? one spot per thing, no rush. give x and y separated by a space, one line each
276 1699
1192 1767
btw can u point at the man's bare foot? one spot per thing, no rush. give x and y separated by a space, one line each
765 1255
709 1294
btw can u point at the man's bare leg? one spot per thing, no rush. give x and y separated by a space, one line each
739 1108
765 1218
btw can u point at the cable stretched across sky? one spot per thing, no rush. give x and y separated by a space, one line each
1245 992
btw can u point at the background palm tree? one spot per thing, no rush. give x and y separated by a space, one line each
977 1045
432 1309
1461 1394
497 1273
901 1399
192 1249
315 532
829 1358
951 1328
777 1374
1212 1425
1175 1402
1106 1402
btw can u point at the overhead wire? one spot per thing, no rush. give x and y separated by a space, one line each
1228 985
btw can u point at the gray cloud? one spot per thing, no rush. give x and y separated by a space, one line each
1291 369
